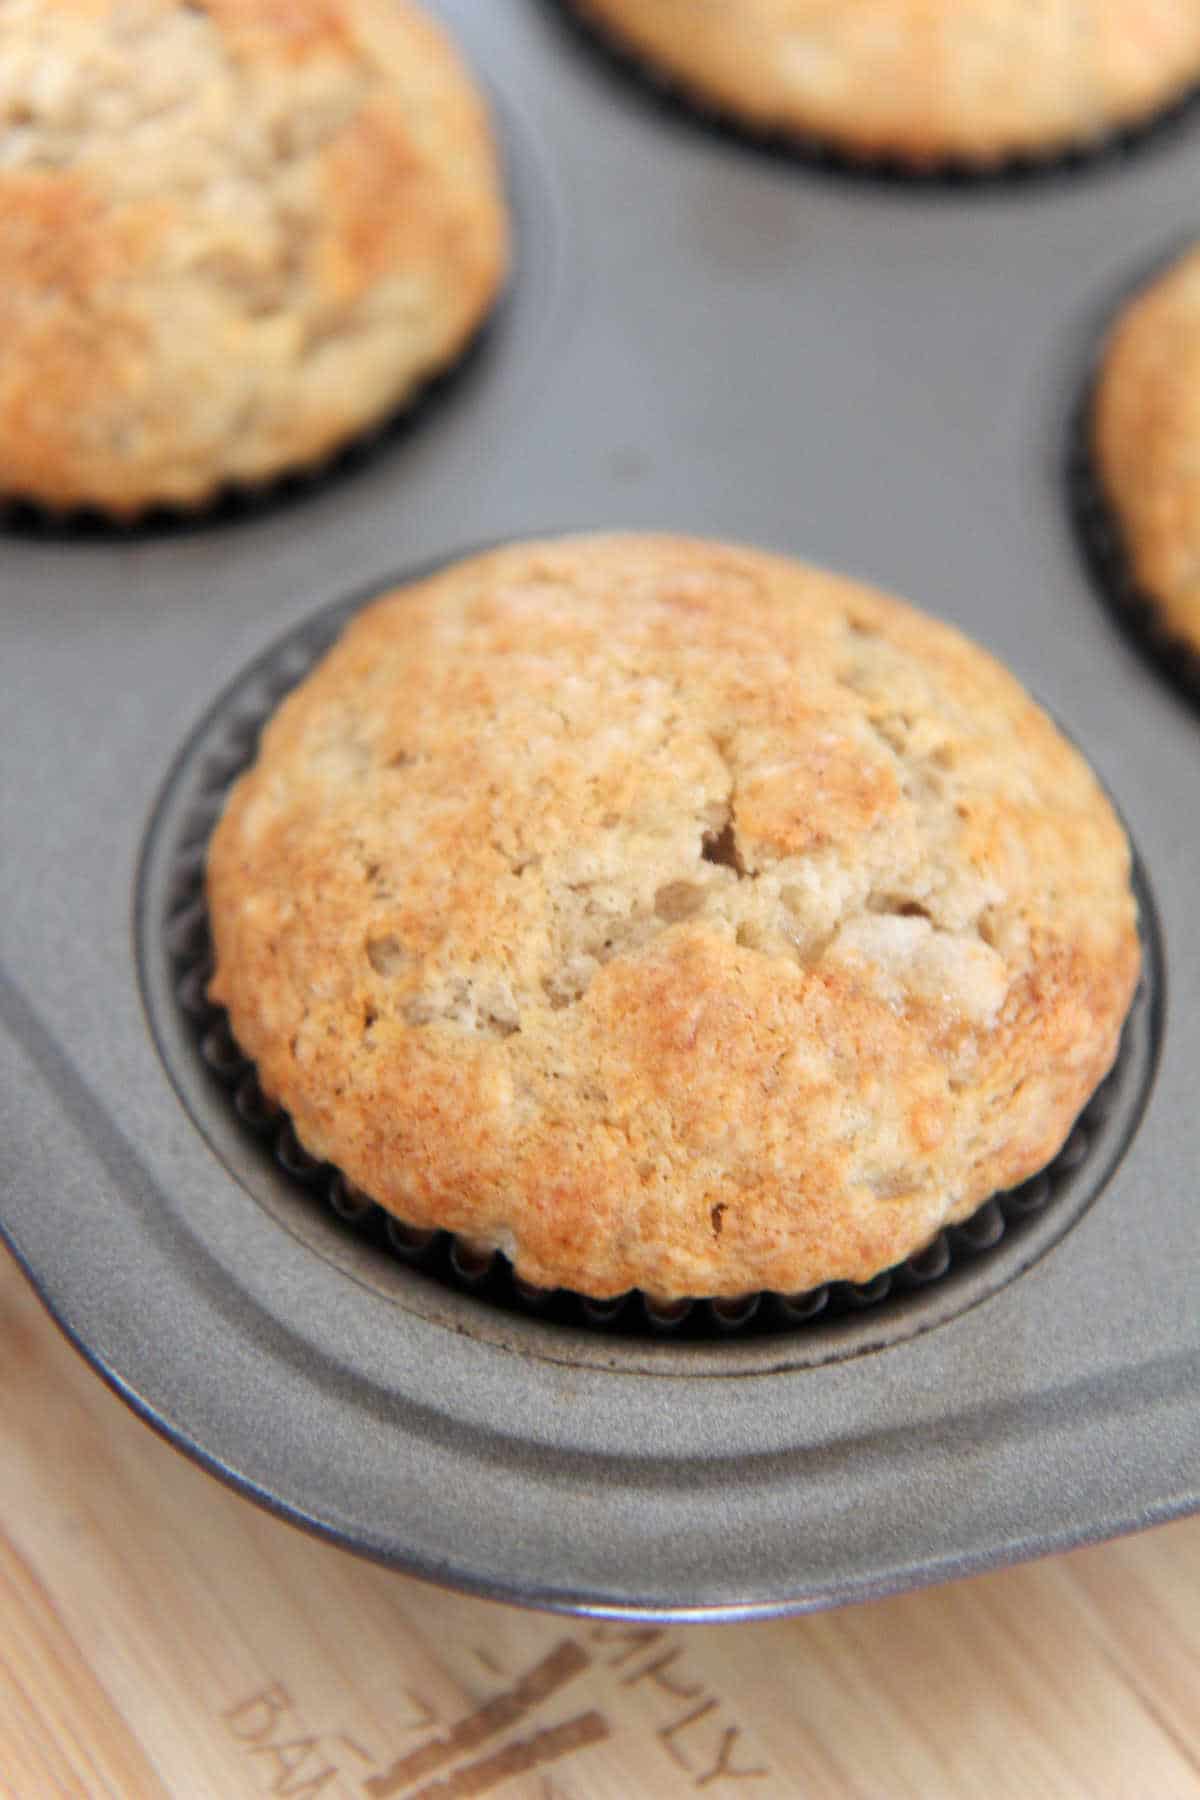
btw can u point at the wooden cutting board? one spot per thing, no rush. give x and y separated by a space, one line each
160 1636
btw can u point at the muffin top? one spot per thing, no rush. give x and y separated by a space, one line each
927 81
1146 444
671 915
233 234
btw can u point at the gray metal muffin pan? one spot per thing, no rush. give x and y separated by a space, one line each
704 338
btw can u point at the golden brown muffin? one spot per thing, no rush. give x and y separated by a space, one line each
233 235
672 916
1146 444
924 81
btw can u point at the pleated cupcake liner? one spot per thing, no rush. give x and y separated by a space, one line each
1106 555
672 93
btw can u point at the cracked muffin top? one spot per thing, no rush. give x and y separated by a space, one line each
672 916
926 81
233 235
1146 444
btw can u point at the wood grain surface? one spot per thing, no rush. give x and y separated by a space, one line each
160 1636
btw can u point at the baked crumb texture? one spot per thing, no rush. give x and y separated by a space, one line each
1146 445
925 82
234 234
672 916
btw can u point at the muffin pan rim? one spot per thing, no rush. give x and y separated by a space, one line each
781 1593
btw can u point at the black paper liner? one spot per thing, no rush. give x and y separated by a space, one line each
1106 556
238 503
456 1262
672 94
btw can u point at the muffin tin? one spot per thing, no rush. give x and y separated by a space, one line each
877 376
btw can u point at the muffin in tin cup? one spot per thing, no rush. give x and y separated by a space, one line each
234 238
671 916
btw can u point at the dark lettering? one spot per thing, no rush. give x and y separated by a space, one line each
723 1768
517 1759
254 1719
668 1733
562 1665
656 1672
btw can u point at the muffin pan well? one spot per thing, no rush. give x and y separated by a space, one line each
257 1142
873 377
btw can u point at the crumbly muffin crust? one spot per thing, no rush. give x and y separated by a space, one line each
672 915
233 235
1146 444
924 81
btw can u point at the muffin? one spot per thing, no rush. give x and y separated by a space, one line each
1145 447
921 81
234 234
671 916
